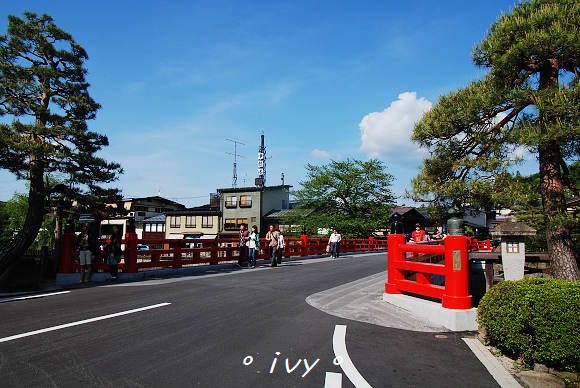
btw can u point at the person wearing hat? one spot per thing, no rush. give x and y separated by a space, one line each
418 234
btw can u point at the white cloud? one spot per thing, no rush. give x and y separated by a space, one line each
386 134
320 154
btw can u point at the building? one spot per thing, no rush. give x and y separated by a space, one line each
410 216
139 210
249 205
194 223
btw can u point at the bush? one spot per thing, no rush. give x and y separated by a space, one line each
537 320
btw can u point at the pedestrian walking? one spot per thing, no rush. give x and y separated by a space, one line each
85 242
254 245
272 239
281 245
114 253
334 242
243 245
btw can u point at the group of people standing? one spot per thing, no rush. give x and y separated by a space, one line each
88 247
249 244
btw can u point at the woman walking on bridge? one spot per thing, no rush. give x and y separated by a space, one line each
254 245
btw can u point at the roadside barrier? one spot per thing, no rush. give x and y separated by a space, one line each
175 254
412 268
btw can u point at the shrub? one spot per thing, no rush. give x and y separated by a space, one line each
537 320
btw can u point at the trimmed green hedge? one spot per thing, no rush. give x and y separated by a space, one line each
537 320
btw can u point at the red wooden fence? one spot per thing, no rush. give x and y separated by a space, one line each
209 251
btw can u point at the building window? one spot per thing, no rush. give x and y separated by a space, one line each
190 221
207 222
254 219
230 224
232 201
513 247
245 201
241 221
155 227
175 221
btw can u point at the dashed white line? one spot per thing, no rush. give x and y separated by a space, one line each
339 346
333 380
77 323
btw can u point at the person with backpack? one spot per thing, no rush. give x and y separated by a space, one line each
114 253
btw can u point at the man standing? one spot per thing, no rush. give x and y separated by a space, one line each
243 244
272 238
85 241
334 242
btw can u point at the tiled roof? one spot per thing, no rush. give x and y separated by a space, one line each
156 219
277 213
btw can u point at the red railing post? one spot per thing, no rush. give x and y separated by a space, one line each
456 295
394 255
214 253
371 244
68 246
177 255
303 245
130 253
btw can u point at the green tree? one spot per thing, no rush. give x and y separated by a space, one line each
13 217
352 196
5 232
529 98
44 92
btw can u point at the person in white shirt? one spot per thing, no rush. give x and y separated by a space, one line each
334 242
281 245
253 245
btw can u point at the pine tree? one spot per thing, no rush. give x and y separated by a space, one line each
529 100
44 92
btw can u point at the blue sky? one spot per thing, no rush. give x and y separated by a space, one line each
322 79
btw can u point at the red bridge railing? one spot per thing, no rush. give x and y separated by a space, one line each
411 268
207 251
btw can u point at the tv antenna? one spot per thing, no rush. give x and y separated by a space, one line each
236 155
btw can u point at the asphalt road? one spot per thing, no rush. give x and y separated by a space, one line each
226 328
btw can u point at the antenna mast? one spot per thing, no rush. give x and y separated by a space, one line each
261 179
235 173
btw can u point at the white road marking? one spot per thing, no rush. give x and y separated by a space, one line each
77 323
34 296
339 346
333 380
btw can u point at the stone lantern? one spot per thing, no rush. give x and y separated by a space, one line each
513 247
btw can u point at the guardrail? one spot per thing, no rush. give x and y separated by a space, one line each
411 268
206 251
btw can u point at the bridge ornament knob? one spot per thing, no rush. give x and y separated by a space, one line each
455 224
